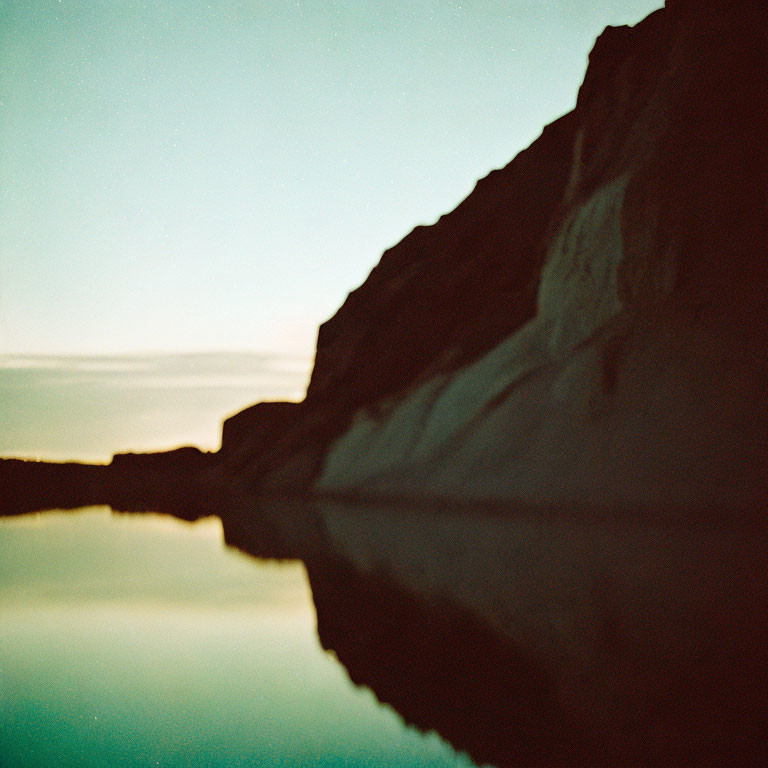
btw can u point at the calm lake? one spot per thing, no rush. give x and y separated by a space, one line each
142 640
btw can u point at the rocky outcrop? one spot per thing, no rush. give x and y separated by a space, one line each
438 299
638 373
187 460
261 424
448 292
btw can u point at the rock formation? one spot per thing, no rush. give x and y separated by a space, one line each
589 324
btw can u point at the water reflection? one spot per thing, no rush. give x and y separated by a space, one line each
544 636
647 637
130 640
524 637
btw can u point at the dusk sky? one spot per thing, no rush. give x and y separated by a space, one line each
183 175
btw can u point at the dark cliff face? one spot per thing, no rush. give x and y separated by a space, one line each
442 296
448 292
676 107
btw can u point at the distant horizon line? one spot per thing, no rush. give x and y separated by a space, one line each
157 353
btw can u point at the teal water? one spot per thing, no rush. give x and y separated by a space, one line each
144 641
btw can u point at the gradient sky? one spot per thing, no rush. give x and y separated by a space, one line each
182 175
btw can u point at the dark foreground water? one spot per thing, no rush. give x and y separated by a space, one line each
352 635
142 640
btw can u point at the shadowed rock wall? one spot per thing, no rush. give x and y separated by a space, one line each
589 324
641 377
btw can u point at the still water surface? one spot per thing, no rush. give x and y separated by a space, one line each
142 640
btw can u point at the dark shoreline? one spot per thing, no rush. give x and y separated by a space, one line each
191 484
29 486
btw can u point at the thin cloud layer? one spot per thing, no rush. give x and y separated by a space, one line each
87 408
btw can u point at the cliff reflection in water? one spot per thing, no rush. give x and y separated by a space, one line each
541 637
533 636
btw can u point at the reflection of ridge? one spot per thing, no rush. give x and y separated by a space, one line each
439 665
442 669
543 637
524 636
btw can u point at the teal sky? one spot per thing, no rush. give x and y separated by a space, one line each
180 175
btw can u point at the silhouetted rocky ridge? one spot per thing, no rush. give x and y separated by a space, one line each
589 325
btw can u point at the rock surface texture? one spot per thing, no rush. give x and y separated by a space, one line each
590 324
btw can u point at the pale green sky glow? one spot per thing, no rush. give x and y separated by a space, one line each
217 174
